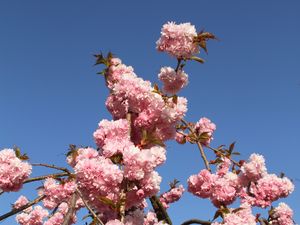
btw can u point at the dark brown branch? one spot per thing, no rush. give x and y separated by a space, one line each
159 210
68 216
196 221
15 211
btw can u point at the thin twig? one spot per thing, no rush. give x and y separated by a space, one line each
68 216
54 175
216 150
159 210
51 166
203 156
15 211
196 221
88 207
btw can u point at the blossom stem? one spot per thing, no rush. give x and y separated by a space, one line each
178 65
203 156
219 152
15 211
71 209
54 175
196 221
51 166
88 207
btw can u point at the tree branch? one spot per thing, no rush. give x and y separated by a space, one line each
51 166
15 211
196 221
159 210
54 175
68 216
203 156
88 207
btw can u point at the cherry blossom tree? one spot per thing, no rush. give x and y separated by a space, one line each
114 179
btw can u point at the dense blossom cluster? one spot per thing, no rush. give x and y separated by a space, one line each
13 171
173 81
205 127
171 196
253 185
115 180
178 40
243 216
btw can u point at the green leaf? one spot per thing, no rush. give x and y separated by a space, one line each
200 60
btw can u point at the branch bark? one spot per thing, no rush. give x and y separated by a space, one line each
15 211
196 221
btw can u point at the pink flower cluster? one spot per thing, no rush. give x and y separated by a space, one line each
137 217
34 217
150 111
13 171
282 215
171 196
59 216
243 216
253 185
112 137
178 40
57 192
204 128
173 81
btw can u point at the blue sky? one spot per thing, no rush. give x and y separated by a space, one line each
249 86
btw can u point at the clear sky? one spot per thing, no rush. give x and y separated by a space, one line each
50 95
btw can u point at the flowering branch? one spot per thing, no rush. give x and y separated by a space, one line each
15 211
54 175
71 210
159 210
88 207
203 156
51 166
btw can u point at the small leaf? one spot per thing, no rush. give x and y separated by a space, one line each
231 147
175 99
200 60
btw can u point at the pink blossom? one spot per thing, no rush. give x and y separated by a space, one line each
282 215
114 222
138 162
35 217
266 190
80 154
57 192
201 185
22 200
223 167
59 216
13 171
171 196
178 40
112 137
223 192
135 217
180 138
150 219
173 81
243 216
204 125
255 168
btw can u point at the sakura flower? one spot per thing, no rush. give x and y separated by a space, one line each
173 81
178 40
13 171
